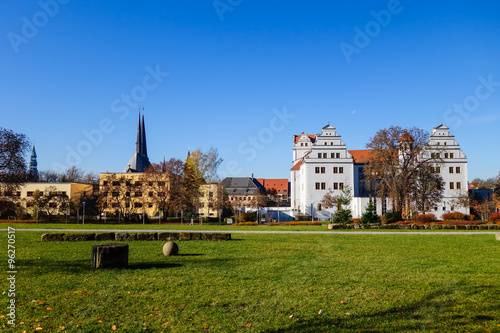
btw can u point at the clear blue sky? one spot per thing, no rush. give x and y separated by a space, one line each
244 76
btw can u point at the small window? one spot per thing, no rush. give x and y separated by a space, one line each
337 155
451 169
445 155
452 155
459 185
341 169
29 194
457 170
452 185
320 207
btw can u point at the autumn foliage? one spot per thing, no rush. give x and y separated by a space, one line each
494 217
424 218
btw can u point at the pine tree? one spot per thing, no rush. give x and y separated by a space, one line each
370 215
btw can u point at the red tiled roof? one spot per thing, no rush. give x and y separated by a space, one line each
311 137
360 156
297 166
281 185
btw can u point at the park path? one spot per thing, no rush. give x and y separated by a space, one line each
274 231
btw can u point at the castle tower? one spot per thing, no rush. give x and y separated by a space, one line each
33 166
140 161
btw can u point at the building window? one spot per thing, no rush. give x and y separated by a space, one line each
338 169
457 170
452 185
452 155
320 186
319 155
150 194
459 186
319 170
29 194
436 169
445 155
451 169
320 208
127 194
115 194
137 205
138 194
116 183
138 183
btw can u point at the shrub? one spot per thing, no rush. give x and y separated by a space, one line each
370 215
494 217
294 223
454 216
424 218
343 216
248 216
392 217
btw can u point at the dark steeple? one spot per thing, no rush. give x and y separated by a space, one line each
140 161
33 171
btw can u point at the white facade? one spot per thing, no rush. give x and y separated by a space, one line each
453 169
322 162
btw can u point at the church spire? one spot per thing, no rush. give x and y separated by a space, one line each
140 161
33 166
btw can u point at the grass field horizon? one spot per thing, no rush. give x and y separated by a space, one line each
261 283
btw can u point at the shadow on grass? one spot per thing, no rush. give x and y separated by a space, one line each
82 266
429 313
149 265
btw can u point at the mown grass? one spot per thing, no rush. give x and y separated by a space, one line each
263 283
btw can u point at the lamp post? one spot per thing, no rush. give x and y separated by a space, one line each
83 220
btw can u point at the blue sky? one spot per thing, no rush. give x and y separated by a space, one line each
244 76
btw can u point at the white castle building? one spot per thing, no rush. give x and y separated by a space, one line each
322 162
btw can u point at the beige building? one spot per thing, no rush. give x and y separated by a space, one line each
132 193
27 193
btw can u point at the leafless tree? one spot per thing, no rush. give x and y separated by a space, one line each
399 157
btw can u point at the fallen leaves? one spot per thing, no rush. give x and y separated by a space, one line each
291 316
248 325
320 312
113 327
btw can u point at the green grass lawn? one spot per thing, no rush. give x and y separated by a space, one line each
262 283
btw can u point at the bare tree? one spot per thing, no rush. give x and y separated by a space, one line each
13 148
427 189
398 159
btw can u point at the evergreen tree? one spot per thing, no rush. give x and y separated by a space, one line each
370 215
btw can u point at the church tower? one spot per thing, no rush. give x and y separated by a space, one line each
140 161
33 167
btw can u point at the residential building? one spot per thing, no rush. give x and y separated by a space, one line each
322 163
27 193
282 187
242 191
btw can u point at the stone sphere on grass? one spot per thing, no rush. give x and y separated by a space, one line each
170 249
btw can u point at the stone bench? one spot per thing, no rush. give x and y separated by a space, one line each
132 236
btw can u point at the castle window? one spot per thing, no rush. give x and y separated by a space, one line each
457 170
451 169
451 155
337 155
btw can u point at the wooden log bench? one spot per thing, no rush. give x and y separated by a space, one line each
110 256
